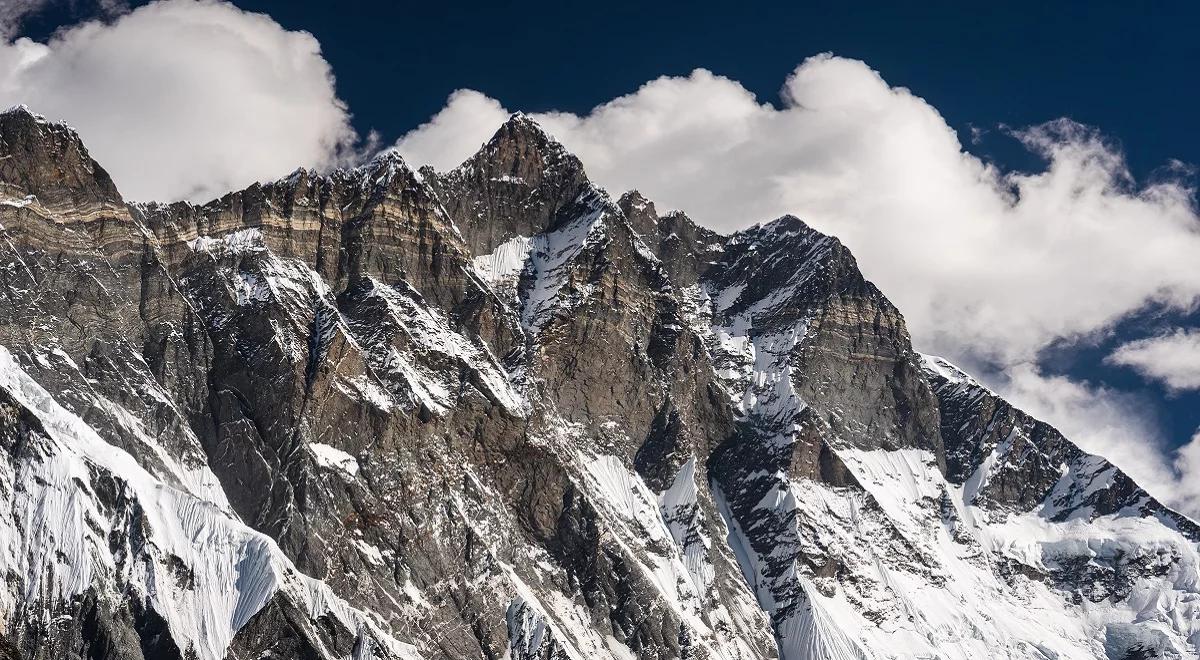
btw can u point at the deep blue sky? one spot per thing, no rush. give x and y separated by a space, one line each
1129 69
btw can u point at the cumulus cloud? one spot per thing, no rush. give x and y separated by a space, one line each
455 132
985 264
185 99
1172 358
1112 424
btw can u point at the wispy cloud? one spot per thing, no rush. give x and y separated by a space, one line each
1173 358
13 13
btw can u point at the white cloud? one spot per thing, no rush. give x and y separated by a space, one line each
1187 464
1112 424
456 132
185 99
1173 358
985 264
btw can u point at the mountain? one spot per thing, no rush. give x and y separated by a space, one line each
495 413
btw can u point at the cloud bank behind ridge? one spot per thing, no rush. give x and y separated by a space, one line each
185 99
984 263
989 266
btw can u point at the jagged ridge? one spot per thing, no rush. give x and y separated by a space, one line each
494 413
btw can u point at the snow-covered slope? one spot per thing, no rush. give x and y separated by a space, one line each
492 413
85 517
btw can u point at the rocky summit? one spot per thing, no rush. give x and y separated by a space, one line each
496 413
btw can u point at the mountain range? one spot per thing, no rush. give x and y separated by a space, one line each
494 412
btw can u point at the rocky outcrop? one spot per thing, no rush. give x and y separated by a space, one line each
685 249
1009 461
385 413
521 183
49 161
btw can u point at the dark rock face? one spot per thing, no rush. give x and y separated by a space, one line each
493 413
1040 468
521 183
854 340
279 630
684 248
48 160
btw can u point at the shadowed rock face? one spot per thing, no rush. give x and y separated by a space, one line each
49 158
493 413
685 249
521 183
1042 469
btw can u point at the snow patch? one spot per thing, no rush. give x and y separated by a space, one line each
333 458
242 240
507 260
